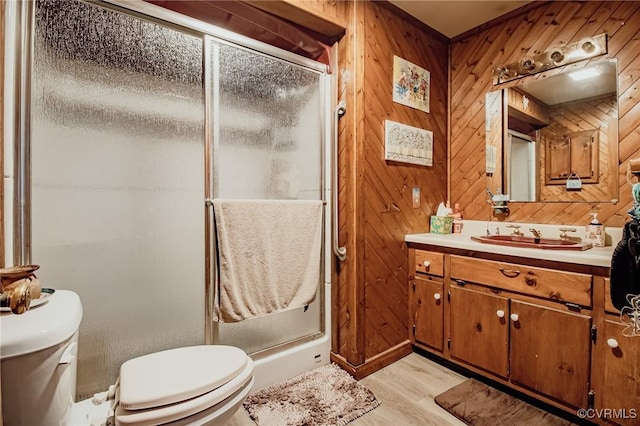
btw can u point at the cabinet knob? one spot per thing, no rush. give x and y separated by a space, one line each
500 313
426 264
612 343
437 296
514 317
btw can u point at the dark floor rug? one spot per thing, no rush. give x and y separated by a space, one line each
326 395
478 404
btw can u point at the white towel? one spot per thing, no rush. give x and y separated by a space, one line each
268 256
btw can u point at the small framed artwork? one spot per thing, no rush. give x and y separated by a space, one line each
410 84
407 144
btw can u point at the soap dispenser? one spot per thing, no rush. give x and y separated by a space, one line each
594 232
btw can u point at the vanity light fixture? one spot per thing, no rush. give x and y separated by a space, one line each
552 58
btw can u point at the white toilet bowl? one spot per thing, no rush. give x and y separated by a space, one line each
194 385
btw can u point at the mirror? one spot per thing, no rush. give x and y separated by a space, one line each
553 136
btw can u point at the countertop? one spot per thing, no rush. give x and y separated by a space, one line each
595 256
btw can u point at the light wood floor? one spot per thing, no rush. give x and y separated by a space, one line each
406 390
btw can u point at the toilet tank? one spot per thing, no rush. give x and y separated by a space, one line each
38 358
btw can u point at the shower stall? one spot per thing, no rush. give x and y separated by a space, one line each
130 119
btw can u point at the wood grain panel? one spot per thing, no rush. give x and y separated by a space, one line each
608 303
478 327
320 16
621 371
350 333
427 310
388 214
429 262
548 283
555 364
549 25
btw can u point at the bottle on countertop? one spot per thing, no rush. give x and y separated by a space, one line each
594 232
457 219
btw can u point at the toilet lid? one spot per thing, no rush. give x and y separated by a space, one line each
211 405
175 375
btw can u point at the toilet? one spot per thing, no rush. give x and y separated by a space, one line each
193 385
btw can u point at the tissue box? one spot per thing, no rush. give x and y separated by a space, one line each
441 224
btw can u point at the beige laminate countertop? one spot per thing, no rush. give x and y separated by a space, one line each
595 256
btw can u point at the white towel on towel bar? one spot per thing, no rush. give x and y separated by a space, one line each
268 256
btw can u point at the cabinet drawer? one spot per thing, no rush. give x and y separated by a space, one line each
429 262
555 285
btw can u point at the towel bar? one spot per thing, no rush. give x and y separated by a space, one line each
208 202
340 252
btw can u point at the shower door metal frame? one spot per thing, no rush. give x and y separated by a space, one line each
23 37
214 129
208 33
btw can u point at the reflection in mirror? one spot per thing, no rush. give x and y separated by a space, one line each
555 137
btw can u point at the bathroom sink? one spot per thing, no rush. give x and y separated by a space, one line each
531 242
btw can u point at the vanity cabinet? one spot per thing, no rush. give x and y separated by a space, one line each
428 315
549 284
621 369
528 327
426 300
479 332
545 349
620 354
550 351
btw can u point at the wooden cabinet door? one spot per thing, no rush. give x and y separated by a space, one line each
479 329
582 152
428 308
558 158
550 351
621 391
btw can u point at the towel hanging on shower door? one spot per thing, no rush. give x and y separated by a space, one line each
268 256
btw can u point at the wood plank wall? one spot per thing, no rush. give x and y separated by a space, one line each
552 24
348 303
386 189
370 294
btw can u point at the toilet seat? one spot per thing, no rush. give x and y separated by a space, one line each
174 384
176 375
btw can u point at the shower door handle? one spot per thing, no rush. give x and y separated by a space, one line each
340 252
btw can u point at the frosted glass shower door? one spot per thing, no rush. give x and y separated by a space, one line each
117 180
268 144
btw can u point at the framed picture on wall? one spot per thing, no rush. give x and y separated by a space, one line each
407 144
410 84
